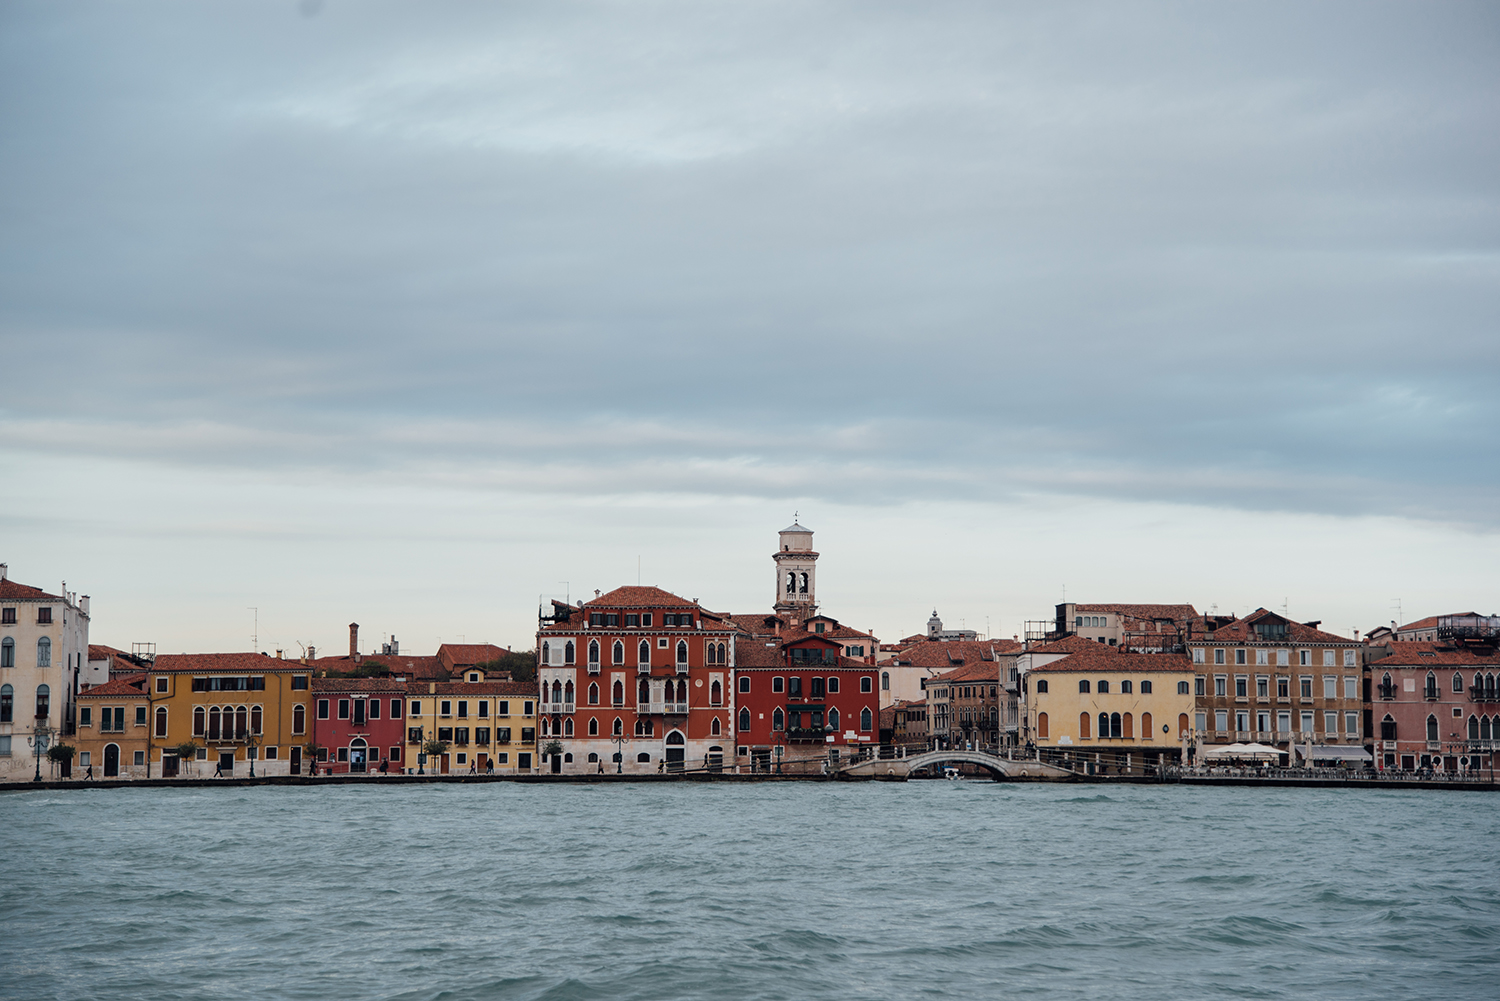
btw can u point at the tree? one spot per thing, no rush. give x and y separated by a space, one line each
61 754
434 748
185 751
552 749
520 663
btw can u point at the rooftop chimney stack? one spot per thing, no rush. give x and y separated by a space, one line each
354 639
4 571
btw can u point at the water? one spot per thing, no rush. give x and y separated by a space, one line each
756 891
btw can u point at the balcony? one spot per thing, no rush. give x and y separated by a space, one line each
806 733
1478 694
667 708
1431 694
1385 693
643 669
594 667
682 669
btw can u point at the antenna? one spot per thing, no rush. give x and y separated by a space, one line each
255 630
1399 617
638 571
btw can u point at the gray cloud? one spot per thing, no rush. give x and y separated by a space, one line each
1234 256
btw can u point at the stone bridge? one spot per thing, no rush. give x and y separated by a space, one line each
1000 768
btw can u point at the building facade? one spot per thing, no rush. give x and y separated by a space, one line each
1435 705
800 703
483 727
1142 627
245 712
1268 680
44 645
358 724
114 729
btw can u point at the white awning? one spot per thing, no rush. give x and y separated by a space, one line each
1323 752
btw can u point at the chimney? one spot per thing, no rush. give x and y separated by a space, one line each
354 639
4 571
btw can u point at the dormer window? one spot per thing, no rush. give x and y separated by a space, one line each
473 675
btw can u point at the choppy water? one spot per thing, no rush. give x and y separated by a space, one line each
794 891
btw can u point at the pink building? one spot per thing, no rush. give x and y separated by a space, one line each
358 723
1435 705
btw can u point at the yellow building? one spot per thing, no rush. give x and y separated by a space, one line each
487 727
1112 711
244 711
114 729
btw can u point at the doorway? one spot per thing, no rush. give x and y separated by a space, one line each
226 762
676 749
169 766
716 759
556 760
443 765
112 761
358 755
296 761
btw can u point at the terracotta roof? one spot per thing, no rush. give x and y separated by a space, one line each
1177 613
752 652
1428 623
224 662
948 654
358 685
521 689
410 666
1240 631
1074 644
985 670
1113 660
469 654
639 597
14 591
1414 653
129 685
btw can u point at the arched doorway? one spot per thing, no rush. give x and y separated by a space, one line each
676 749
111 761
358 754
716 758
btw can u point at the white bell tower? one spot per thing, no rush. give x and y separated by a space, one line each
796 573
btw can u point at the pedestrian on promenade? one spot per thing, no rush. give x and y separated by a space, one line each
219 770
384 765
88 775
474 767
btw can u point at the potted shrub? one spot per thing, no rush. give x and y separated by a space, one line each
62 754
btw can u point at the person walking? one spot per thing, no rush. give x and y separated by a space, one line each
89 774
384 765
219 769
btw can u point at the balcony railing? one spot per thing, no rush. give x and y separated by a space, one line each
593 667
1478 694
806 733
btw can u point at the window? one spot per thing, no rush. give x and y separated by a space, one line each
1349 658
1387 728
643 654
885 681
646 619
1330 723
85 714
416 708
1306 722
1182 688
864 719
744 721
744 683
1085 726
1241 686
715 693
1262 657
682 657
1041 686
617 652
1083 687
44 651
322 709
778 685
1239 656
445 707
618 694
1218 656
1221 720
1328 658
866 685
1282 658
1283 686
1458 683
43 618
1102 688
593 694
1432 729
1197 655
1305 686
1284 722
1262 686
8 616
815 688
1041 726
777 720
299 719
1200 721
1126 688
8 650
794 687
140 715
1304 658
463 708
1221 686
1198 687
1330 687
343 709
833 686
593 727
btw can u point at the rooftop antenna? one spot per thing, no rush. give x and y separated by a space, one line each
255 630
638 570
1399 617
1285 604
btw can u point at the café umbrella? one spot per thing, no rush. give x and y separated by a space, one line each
1242 751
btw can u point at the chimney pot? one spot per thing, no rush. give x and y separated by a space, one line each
354 639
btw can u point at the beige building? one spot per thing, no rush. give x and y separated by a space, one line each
1144 627
44 644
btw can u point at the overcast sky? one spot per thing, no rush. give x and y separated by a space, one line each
408 314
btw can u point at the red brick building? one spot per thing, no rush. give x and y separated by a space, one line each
798 702
357 723
636 680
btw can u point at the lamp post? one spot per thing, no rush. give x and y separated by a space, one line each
780 740
619 754
40 740
251 744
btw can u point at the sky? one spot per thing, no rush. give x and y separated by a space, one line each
417 314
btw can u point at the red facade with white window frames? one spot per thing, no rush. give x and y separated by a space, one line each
799 703
1435 705
357 723
639 673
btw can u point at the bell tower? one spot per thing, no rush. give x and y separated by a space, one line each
796 573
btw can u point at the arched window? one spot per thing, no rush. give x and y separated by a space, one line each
864 719
619 693
1473 727
643 654
593 651
241 722
1041 726
593 694
255 720
213 723
682 691
1489 684
885 681
1085 726
619 728
1458 682
1432 728
593 758
1129 724
803 589
1104 730
44 652
1387 728
1484 728
1430 690
546 651
644 758
556 691
1146 726
1182 722
7 652
744 721
568 653
723 654
1182 688
568 693
1126 688
568 726
1083 687
1145 688
546 726
643 693
682 652
199 720
1041 686
619 652
715 693
1102 687
644 728
7 704
593 727
299 720
777 720
713 728
43 701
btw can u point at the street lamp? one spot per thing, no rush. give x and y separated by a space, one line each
619 753
40 739
250 747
